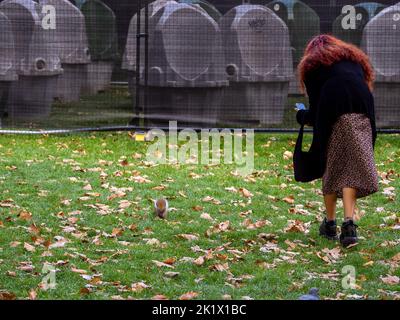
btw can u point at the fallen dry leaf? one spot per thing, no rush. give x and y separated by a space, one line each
220 267
391 280
170 261
396 258
297 226
162 264
206 216
29 247
6 295
139 286
189 296
25 215
289 199
190 237
171 274
212 200
32 294
245 193
287 155
199 261
159 297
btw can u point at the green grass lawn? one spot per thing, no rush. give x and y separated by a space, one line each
82 203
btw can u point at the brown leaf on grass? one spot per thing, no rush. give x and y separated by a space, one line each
85 291
330 255
265 265
133 227
267 236
198 208
194 175
206 216
28 247
391 280
60 243
14 244
152 242
159 297
270 247
139 286
32 294
159 188
220 267
258 224
66 202
189 237
231 189
245 213
221 227
396 257
25 215
245 193
80 271
11 274
9 203
298 209
211 200
297 226
34 229
182 194
289 199
26 266
170 261
189 296
171 274
75 213
139 179
369 263
124 163
73 220
199 261
287 155
162 264
6 295
116 232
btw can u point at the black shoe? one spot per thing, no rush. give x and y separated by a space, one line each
328 229
349 233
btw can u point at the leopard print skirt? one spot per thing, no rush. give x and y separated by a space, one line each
350 157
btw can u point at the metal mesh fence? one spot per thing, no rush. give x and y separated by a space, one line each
216 63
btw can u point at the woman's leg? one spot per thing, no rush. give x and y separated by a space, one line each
330 204
349 202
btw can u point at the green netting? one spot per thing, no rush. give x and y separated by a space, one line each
210 63
101 30
302 21
208 7
364 13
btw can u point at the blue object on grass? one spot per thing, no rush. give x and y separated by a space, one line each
312 295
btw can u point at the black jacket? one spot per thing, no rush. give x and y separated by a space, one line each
334 91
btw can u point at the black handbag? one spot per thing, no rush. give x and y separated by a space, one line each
306 164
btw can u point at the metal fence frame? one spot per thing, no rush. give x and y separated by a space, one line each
138 124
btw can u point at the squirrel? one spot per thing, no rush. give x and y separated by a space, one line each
161 208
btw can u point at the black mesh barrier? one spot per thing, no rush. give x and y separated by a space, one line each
218 63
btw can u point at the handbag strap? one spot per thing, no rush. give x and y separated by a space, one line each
299 142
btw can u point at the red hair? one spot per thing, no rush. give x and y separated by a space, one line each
325 50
